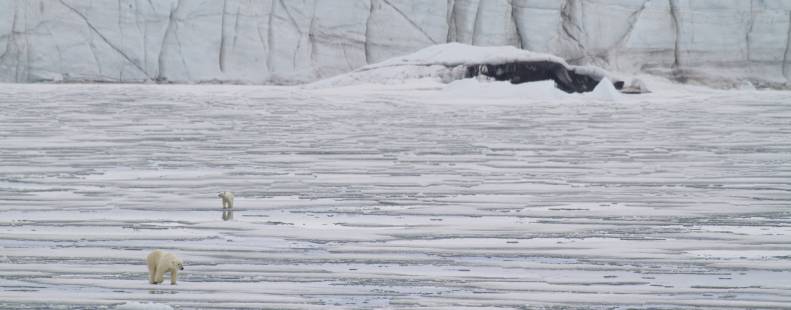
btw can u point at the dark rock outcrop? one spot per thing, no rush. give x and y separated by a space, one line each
566 79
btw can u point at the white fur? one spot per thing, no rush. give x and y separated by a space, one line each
227 199
160 263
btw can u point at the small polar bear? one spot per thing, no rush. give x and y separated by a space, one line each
227 199
160 263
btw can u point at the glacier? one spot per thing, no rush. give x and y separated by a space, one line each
721 43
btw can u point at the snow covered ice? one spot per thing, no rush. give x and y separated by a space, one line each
404 196
390 181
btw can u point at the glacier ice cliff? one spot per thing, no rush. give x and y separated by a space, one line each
721 42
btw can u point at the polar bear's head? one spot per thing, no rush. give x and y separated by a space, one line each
177 264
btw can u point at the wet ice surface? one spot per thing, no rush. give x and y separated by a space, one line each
393 198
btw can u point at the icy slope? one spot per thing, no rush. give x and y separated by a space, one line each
443 62
270 41
448 62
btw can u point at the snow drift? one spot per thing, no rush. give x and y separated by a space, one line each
133 305
453 61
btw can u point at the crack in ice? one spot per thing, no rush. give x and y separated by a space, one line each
105 39
632 20
221 60
677 30
569 26
786 71
411 22
515 20
366 44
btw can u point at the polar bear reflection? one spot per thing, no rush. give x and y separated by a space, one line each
227 215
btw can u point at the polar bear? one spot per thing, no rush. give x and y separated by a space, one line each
161 262
227 199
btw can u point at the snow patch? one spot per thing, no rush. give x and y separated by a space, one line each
636 86
133 305
454 54
476 88
746 85
605 90
392 76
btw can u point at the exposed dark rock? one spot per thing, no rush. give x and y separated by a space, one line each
565 79
636 86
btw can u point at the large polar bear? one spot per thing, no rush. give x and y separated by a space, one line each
161 262
227 199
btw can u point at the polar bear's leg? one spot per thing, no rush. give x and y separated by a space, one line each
160 275
152 270
153 261
227 199
173 275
